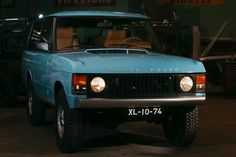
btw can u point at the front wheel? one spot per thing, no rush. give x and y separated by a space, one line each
181 125
68 125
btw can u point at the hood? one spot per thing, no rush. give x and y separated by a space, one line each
140 62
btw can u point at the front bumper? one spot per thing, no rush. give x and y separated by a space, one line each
136 103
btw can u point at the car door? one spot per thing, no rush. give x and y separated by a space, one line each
41 60
29 55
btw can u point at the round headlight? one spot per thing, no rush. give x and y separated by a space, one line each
186 83
97 84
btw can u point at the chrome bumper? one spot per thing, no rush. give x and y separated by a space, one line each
135 103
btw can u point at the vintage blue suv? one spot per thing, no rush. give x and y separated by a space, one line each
106 68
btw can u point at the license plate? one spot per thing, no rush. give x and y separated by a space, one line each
144 111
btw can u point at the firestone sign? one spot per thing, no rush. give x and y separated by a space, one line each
83 3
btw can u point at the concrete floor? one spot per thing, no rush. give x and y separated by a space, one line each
217 136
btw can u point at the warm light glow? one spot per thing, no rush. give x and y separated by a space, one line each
79 82
97 84
200 79
200 83
186 84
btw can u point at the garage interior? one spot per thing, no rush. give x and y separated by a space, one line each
204 30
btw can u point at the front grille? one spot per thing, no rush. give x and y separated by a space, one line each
137 86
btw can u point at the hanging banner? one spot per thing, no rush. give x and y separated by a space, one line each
190 2
84 3
7 3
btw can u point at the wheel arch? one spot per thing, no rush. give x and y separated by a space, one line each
61 85
57 87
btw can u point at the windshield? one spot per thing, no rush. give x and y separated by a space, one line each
89 33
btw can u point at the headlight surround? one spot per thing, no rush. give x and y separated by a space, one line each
97 84
186 83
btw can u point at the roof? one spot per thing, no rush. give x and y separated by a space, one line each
98 14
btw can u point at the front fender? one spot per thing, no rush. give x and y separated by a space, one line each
59 80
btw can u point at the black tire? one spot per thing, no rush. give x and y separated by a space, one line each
8 90
181 126
68 125
36 109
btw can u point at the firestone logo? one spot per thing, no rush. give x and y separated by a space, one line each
76 3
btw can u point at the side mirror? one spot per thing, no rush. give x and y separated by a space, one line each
42 46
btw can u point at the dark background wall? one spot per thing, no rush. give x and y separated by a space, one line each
210 18
14 8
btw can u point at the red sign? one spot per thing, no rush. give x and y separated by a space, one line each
190 2
84 3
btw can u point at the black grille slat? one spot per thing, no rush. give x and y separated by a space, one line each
164 82
138 86
146 87
149 86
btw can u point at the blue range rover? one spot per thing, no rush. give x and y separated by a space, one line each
106 67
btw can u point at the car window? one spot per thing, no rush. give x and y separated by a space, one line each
47 30
35 35
41 33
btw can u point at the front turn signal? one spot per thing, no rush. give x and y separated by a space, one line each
79 83
200 83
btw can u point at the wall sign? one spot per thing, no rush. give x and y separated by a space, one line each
7 3
84 3
190 2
